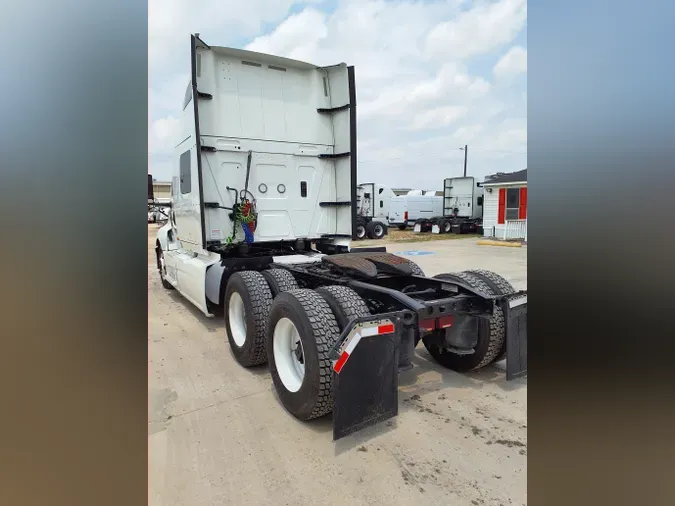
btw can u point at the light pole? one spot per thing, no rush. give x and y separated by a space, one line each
466 153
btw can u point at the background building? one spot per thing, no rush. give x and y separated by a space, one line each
505 205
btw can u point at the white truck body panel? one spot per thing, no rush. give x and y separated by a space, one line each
463 195
268 106
240 103
418 206
373 201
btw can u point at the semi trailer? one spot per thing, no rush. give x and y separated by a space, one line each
260 229
406 210
462 209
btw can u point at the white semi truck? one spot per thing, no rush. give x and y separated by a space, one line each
462 208
372 210
260 229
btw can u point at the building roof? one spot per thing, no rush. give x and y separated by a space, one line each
510 177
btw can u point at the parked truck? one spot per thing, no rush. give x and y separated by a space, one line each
405 210
462 209
372 209
260 231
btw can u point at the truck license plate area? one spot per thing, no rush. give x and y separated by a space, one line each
365 377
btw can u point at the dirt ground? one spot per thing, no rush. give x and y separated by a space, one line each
218 434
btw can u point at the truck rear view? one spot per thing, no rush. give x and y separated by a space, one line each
263 210
266 151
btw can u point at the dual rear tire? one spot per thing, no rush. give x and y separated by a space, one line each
491 345
269 319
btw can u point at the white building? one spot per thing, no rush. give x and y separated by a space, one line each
505 206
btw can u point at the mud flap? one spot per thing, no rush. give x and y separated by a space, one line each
435 229
417 228
365 374
515 317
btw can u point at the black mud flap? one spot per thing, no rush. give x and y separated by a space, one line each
365 374
515 318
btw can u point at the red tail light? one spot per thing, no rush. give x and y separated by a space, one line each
428 325
405 216
444 322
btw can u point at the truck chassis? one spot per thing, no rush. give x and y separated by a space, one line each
448 224
305 311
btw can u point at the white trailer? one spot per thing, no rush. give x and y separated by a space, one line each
405 210
262 216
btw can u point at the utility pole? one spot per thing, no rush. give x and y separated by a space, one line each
466 153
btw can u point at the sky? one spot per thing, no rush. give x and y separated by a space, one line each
431 76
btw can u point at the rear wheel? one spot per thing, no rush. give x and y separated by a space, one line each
490 334
161 265
247 305
301 331
360 232
375 230
445 226
416 269
280 280
345 303
499 286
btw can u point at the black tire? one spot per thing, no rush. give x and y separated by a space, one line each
162 269
402 226
344 302
256 295
490 333
318 331
280 280
499 286
416 269
445 226
375 230
360 232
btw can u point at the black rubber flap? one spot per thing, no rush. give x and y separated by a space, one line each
515 317
366 390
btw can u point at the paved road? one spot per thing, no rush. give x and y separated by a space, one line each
218 434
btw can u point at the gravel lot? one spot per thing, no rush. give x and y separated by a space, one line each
218 434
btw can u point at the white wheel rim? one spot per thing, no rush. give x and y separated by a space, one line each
360 231
289 355
237 315
378 230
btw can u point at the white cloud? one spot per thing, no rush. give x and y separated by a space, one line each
479 30
163 135
437 118
419 96
512 63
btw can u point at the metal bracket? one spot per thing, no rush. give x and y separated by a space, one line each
334 155
203 95
327 204
333 109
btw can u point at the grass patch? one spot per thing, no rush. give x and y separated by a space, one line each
398 236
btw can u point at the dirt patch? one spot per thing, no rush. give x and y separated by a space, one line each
509 442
